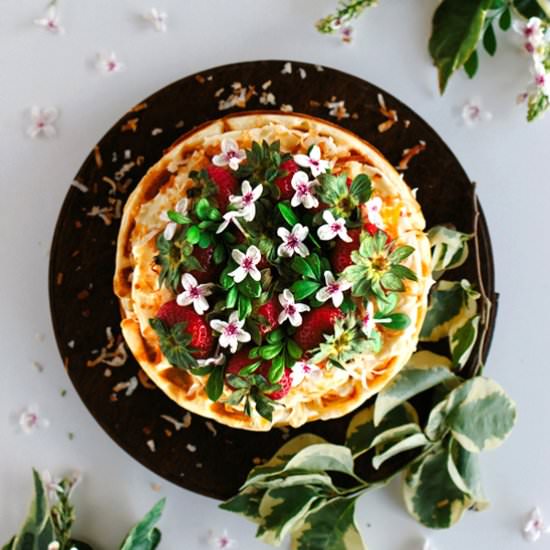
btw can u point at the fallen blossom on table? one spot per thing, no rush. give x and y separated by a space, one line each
157 18
221 541
473 113
52 486
51 21
30 420
42 122
535 526
107 63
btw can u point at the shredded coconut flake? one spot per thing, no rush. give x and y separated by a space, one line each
337 109
80 186
191 448
409 154
211 428
286 108
178 425
151 444
287 68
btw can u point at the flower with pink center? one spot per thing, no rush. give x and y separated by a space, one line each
313 161
51 21
369 322
52 485
30 420
231 155
222 541
293 241
193 293
290 309
42 122
157 19
535 526
246 203
346 34
473 113
333 228
247 263
303 191
541 78
374 212
532 32
171 227
107 63
300 370
334 289
231 331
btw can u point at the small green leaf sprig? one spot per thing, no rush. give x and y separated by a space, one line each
48 523
346 12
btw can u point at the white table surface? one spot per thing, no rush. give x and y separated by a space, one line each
507 157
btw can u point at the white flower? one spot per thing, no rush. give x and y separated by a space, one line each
54 545
231 332
171 227
193 293
300 370
369 321
221 542
42 122
246 202
334 290
51 21
293 241
541 80
29 420
217 360
247 264
230 156
157 18
473 113
230 217
303 191
535 526
290 309
374 212
52 486
533 33
333 228
107 63
313 161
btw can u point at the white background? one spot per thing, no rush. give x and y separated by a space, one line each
507 157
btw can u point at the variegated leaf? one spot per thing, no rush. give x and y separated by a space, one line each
413 441
362 432
322 457
246 503
462 340
449 249
430 494
144 535
451 304
424 371
329 527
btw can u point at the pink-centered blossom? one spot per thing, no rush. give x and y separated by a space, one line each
473 113
30 420
157 18
532 32
221 541
194 293
313 161
303 191
51 22
334 289
293 241
42 122
333 228
300 370
535 526
246 202
107 63
231 331
246 263
374 212
290 310
231 155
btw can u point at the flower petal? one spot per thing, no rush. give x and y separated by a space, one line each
325 233
302 160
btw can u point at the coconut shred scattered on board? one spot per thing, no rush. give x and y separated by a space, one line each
337 108
113 353
409 154
390 114
128 387
239 97
186 421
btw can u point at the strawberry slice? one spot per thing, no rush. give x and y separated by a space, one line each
226 183
316 323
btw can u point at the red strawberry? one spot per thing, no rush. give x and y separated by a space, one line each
285 382
316 323
201 336
340 257
205 258
371 228
237 362
270 311
283 182
226 182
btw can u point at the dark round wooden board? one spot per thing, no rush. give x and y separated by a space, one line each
209 458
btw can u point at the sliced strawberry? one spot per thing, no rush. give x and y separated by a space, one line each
316 323
202 340
270 313
226 183
340 257
285 382
284 182
205 258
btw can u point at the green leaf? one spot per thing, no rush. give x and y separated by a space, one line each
397 321
303 289
249 369
456 29
322 457
9 544
472 64
301 266
293 349
329 527
315 263
270 351
246 503
480 414
490 40
264 406
244 306
37 530
287 213
178 218
203 208
423 371
449 248
387 304
505 20
430 494
275 336
399 254
403 272
214 385
411 442
219 254
174 343
277 369
392 282
362 431
250 288
282 508
193 234
361 188
462 340
205 240
231 298
144 535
